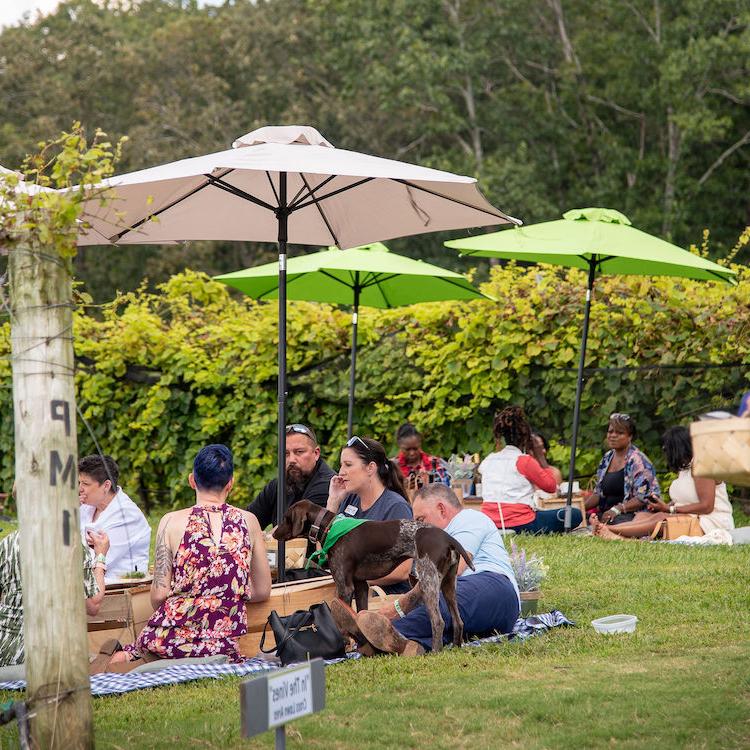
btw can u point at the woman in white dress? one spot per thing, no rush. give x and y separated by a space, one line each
701 497
105 507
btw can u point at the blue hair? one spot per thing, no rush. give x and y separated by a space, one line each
213 467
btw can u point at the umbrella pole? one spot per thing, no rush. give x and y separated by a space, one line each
579 391
283 216
352 368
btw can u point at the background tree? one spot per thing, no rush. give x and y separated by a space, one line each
640 105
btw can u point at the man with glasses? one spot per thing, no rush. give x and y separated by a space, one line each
308 476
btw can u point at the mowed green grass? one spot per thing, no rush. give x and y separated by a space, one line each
682 680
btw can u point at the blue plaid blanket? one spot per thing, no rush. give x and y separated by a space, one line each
110 683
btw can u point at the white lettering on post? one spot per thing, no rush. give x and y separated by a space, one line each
289 696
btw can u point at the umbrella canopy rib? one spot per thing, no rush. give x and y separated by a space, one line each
119 235
273 187
315 199
499 214
377 279
300 196
328 274
455 283
239 193
321 212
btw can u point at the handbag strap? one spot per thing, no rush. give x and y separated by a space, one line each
263 641
659 526
288 634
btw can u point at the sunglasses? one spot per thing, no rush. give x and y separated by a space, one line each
354 439
620 417
301 430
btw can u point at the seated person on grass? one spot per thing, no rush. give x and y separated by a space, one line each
487 597
513 473
210 559
370 486
699 496
414 463
540 444
11 600
625 479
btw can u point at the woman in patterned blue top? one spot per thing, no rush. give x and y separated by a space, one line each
625 480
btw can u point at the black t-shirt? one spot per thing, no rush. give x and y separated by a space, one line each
316 490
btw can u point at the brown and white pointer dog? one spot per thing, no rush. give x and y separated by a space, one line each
374 549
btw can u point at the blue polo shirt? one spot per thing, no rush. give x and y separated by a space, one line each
480 537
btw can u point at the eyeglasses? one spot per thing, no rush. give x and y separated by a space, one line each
354 439
620 417
301 429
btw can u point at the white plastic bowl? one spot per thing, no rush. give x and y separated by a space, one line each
615 624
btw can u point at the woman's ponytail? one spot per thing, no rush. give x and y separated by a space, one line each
392 478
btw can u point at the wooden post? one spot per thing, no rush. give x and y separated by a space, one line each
46 480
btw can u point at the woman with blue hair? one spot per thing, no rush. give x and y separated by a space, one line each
209 560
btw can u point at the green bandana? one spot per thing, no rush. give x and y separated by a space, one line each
341 526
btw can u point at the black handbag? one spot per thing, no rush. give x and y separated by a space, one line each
305 634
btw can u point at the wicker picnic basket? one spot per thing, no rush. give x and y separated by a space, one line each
721 450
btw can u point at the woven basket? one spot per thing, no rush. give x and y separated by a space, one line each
294 553
721 450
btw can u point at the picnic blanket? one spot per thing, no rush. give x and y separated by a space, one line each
110 683
713 537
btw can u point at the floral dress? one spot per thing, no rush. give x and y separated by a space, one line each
205 611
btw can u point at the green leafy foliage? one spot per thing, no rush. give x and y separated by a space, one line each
162 373
43 211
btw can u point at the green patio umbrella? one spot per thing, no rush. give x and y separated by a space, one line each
601 241
368 275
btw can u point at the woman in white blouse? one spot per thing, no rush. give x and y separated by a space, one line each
105 507
704 498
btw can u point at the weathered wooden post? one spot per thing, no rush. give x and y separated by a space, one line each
38 228
46 478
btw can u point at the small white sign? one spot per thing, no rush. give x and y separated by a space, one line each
289 695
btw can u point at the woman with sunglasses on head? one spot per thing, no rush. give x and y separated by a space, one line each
625 480
370 486
698 496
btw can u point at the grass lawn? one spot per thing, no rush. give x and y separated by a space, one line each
682 680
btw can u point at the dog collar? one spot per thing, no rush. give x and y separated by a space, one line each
317 533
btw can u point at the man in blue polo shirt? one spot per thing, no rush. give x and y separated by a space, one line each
487 597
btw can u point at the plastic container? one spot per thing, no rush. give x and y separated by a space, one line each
615 624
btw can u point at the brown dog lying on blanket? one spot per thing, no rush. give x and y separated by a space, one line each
375 548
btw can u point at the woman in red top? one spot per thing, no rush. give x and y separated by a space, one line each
414 463
511 475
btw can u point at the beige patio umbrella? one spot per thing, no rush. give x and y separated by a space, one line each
286 185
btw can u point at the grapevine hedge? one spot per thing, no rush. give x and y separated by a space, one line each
161 374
